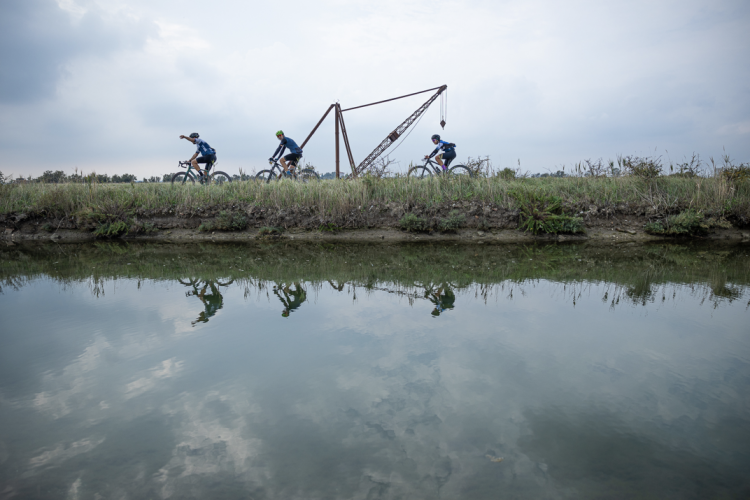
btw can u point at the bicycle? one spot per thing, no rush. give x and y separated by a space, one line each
182 177
421 171
268 175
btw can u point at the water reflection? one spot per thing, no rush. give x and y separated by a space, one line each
442 297
574 372
208 292
291 296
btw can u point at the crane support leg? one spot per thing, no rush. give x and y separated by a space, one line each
318 125
338 169
346 139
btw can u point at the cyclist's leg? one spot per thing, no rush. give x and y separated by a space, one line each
439 160
292 158
201 159
448 158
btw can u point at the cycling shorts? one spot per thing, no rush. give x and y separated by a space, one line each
448 157
293 158
209 160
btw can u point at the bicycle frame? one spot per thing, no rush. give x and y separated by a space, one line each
277 166
435 167
191 168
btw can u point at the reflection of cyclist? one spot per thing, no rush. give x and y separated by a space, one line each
292 299
443 298
295 152
448 152
338 287
212 301
208 154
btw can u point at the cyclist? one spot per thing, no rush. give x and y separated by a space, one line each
207 153
448 152
295 152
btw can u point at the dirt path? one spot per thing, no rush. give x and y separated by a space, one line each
372 235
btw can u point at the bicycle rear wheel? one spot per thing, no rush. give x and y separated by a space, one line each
461 171
182 178
308 175
419 172
266 176
220 178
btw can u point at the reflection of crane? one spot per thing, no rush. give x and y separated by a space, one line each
390 139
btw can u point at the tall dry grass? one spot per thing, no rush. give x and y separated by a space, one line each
664 195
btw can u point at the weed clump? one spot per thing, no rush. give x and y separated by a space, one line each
144 227
690 222
453 222
543 214
414 224
644 168
225 221
112 229
329 227
48 227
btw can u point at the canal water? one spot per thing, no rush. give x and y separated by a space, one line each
279 371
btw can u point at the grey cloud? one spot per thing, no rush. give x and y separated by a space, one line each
39 38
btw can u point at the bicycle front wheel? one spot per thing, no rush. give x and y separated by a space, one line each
220 178
266 176
308 175
461 171
182 178
419 172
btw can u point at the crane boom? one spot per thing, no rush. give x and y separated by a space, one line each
397 132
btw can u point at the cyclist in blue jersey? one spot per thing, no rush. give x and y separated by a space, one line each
295 152
207 153
447 155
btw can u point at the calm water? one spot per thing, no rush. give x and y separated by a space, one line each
338 372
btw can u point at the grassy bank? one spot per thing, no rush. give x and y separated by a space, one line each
663 195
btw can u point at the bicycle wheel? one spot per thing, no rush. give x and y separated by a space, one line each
461 170
308 175
220 178
419 172
181 178
266 176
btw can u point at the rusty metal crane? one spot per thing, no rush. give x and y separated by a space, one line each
389 140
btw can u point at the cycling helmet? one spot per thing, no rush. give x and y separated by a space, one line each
194 135
435 137
280 132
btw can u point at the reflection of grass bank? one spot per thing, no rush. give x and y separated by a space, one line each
664 195
638 270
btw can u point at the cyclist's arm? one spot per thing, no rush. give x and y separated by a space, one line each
434 152
188 138
280 150
195 155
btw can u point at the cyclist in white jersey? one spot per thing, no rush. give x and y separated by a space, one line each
206 152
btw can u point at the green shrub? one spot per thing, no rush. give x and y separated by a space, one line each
225 221
414 224
543 214
689 222
507 173
111 229
453 222
645 168
738 173
329 227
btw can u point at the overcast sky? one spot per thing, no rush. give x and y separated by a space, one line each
110 85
